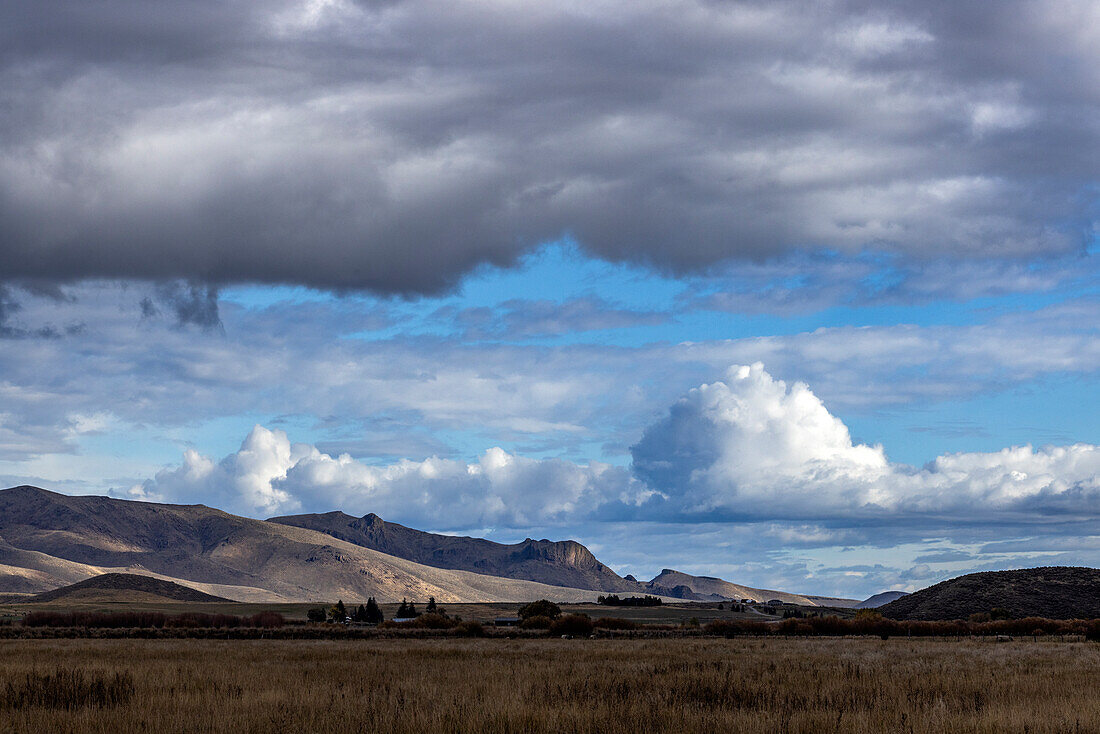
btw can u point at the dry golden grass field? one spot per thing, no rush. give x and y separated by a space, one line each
685 686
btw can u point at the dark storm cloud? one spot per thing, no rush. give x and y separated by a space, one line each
10 306
397 145
189 302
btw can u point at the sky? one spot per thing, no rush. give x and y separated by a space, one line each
799 294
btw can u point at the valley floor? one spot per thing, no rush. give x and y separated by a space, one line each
582 686
674 613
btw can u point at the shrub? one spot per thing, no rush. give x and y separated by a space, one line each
94 619
433 621
469 629
145 620
540 608
615 600
615 623
572 624
795 626
317 615
829 625
267 620
540 622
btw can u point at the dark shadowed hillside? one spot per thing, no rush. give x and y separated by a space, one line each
1057 592
560 563
125 587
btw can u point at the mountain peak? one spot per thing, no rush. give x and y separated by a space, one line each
559 563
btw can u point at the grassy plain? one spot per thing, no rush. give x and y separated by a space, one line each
581 686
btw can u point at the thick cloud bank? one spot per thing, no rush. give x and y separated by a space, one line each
396 145
747 448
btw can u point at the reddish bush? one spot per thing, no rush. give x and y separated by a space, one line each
267 620
145 620
735 627
94 619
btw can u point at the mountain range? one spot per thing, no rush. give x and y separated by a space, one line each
561 563
49 540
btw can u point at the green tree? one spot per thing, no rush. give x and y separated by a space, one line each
316 615
540 608
339 612
431 608
373 613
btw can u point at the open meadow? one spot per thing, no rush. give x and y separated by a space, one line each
393 686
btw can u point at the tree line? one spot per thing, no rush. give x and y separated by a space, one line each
871 623
371 612
614 600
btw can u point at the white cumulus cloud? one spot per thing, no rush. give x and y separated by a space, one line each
269 475
753 445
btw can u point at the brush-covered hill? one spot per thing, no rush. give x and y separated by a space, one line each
876 601
559 563
709 588
52 540
1056 592
124 587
